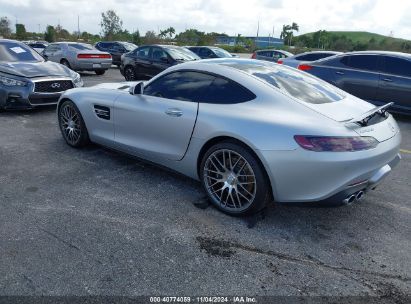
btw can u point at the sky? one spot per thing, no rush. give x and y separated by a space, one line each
227 16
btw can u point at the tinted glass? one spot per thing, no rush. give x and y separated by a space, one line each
158 53
143 52
312 57
13 51
225 91
361 62
204 52
297 84
397 66
189 86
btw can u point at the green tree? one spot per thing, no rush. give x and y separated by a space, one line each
50 34
20 31
136 38
150 37
110 24
5 29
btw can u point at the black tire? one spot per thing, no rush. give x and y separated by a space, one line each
82 139
130 73
65 63
259 184
100 72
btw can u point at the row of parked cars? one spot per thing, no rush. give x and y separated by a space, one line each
378 77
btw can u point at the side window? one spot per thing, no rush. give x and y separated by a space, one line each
143 52
224 91
204 52
397 66
158 53
194 50
310 57
263 53
361 62
185 85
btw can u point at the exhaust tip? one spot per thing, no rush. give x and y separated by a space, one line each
349 200
359 195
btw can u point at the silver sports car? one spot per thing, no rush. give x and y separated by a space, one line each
251 131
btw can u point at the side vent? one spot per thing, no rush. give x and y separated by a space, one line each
102 112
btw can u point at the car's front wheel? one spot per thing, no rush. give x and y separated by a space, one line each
130 74
234 179
72 125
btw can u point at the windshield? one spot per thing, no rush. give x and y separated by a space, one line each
222 53
182 54
292 82
81 46
129 46
11 51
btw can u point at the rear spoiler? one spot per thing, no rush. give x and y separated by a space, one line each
363 118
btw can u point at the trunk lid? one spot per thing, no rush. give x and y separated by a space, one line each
353 112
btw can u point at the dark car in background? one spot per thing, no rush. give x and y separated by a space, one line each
270 55
116 49
376 76
295 60
149 60
206 52
27 81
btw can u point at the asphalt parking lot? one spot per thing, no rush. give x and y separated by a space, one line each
95 222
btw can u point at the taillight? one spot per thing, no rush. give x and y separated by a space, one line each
93 56
280 61
336 144
253 56
304 67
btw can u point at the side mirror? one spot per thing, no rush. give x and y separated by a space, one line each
137 89
164 59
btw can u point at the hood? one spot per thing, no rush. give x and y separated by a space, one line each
34 69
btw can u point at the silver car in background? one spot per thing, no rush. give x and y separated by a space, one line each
251 131
295 61
78 56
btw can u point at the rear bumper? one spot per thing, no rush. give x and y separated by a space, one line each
91 65
305 176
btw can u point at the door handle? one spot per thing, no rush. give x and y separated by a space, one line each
339 73
174 112
387 79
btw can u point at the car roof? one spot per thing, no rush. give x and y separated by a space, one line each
397 54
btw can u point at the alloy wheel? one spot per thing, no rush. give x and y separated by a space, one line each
229 179
129 74
70 123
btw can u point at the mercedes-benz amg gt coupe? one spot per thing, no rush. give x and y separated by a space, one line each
251 131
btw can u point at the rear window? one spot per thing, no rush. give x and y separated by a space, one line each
13 51
81 46
313 57
293 82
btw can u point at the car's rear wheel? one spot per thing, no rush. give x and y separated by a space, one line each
72 125
100 72
65 63
130 74
234 179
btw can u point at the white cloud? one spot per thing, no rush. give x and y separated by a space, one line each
229 16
